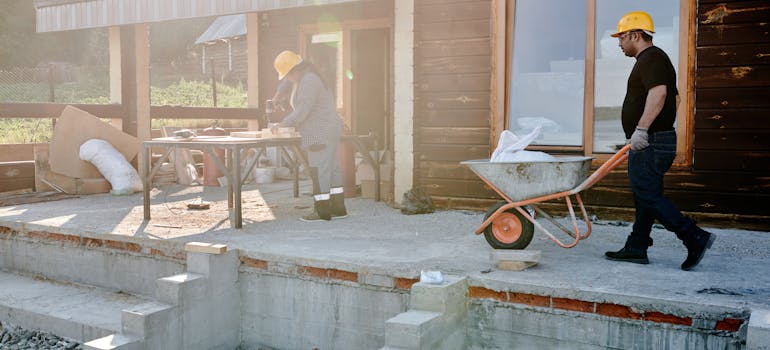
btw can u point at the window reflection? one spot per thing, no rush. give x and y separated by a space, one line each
613 67
548 69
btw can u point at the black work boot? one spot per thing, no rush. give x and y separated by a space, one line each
634 251
321 209
696 248
338 210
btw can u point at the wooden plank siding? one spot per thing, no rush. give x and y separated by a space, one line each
731 153
453 79
726 184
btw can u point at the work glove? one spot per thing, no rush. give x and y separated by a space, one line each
639 139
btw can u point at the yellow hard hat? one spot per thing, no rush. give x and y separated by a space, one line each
285 61
636 20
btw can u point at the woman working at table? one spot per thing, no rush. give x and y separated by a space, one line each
315 116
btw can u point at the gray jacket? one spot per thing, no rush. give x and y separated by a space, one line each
315 113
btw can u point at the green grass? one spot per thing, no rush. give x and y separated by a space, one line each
18 130
180 93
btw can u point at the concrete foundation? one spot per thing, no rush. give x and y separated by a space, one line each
352 284
499 326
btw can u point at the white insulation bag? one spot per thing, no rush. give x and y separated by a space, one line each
113 166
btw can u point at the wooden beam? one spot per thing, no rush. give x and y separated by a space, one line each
53 110
142 47
128 78
178 112
252 67
115 71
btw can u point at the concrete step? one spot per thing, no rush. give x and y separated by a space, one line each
74 311
413 329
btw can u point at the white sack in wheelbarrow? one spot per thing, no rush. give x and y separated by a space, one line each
510 149
113 166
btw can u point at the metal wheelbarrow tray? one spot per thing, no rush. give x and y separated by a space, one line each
510 224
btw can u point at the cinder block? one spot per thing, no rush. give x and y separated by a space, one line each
114 342
142 321
758 336
222 269
448 297
185 287
412 329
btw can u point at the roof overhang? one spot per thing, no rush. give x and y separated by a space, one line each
60 15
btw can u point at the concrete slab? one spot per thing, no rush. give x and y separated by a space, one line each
78 312
381 241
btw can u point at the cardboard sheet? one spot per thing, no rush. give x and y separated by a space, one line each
45 178
76 126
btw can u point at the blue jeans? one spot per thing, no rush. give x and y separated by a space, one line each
646 169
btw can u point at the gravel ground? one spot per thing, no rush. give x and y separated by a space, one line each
16 338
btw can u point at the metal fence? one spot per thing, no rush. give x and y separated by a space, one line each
58 82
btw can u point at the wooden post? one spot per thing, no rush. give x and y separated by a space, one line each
213 82
403 99
252 67
135 80
51 92
115 72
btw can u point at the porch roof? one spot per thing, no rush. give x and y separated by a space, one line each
224 27
60 15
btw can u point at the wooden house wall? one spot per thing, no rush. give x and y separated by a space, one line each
279 30
218 52
452 113
727 183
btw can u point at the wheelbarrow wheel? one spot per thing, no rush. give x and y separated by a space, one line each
509 230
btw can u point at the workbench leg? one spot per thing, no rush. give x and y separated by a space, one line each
229 166
147 183
236 175
295 165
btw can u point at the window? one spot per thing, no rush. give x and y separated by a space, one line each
612 66
568 76
548 70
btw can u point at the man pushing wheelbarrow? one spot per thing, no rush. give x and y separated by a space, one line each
648 115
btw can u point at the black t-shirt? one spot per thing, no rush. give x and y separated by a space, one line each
652 68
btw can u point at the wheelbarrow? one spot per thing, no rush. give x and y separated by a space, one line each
511 224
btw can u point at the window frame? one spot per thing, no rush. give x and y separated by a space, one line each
503 36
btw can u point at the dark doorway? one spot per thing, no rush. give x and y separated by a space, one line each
370 88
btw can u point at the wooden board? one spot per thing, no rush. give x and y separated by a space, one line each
732 97
208 248
742 76
473 118
17 152
450 12
459 29
733 12
728 34
452 135
16 175
734 55
514 260
36 197
734 161
718 139
737 118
